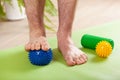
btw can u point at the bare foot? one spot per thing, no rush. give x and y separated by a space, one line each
71 54
37 42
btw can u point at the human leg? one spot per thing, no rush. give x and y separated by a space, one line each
70 52
34 11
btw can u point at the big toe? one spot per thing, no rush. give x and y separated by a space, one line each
45 46
70 61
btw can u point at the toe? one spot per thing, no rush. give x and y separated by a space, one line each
70 61
82 60
27 47
32 46
84 57
37 46
45 46
78 61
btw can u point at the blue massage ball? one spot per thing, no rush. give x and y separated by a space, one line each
40 57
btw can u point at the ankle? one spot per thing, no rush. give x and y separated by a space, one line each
64 39
63 34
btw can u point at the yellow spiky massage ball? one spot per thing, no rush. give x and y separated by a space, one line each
103 49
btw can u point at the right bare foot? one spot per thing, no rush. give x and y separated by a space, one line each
37 42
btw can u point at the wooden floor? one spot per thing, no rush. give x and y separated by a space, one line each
88 13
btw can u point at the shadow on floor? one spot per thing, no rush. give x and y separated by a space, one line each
92 56
57 56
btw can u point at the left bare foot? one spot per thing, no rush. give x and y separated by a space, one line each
71 54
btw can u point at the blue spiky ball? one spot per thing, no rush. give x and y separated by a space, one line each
40 57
